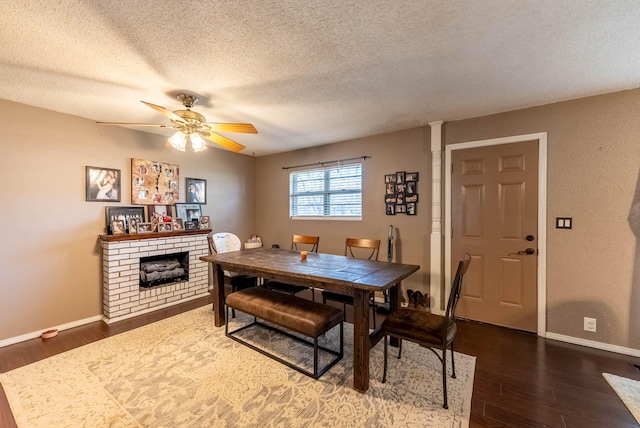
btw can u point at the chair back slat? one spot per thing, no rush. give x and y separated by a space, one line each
456 286
305 240
372 247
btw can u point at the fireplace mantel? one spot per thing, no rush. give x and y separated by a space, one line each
151 235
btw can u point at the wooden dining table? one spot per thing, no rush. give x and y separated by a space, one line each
340 274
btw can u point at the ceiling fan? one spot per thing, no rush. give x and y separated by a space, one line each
192 124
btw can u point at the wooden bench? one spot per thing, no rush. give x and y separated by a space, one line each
310 319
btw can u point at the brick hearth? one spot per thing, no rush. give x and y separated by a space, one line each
122 295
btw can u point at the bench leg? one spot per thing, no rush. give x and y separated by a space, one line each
315 357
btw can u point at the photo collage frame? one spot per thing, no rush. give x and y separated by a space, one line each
401 193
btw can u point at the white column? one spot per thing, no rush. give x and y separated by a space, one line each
435 268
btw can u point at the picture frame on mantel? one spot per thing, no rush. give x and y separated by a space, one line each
188 212
124 213
102 184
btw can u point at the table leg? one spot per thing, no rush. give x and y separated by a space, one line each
394 303
218 295
360 340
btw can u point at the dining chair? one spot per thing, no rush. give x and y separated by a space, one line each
298 243
224 242
428 330
358 249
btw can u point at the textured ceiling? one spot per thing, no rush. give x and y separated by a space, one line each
312 73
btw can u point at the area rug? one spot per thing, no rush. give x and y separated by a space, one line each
628 390
184 372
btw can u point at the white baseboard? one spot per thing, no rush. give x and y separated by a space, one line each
33 335
593 344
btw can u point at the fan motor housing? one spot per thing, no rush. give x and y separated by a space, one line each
190 115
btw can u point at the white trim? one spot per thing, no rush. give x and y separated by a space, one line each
35 334
435 268
542 214
593 344
327 217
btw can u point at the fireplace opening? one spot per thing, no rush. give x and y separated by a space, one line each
164 269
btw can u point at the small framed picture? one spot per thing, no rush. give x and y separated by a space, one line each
196 191
188 212
390 178
204 222
391 209
400 176
190 225
390 188
401 209
165 227
117 227
412 176
145 228
178 224
159 213
102 184
133 225
411 198
411 208
412 188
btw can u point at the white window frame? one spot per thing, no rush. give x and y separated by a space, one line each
325 194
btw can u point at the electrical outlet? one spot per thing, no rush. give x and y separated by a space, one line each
589 324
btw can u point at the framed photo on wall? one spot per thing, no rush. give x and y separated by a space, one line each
196 191
154 182
102 184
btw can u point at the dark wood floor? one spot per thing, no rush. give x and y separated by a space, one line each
521 380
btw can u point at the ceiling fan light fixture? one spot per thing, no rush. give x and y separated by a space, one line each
178 141
197 143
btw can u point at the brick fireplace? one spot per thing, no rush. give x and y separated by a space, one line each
123 296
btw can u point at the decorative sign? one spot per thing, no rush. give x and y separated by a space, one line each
154 183
401 194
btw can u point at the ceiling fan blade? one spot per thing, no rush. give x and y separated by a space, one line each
223 141
134 124
171 115
246 128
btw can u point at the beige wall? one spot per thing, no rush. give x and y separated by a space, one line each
50 271
49 258
593 173
593 164
401 151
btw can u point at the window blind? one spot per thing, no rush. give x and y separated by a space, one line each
326 192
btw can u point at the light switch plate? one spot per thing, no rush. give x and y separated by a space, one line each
564 222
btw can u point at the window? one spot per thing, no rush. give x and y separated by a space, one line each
326 192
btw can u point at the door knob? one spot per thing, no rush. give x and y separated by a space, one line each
530 238
527 251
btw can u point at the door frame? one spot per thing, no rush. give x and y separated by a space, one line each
542 214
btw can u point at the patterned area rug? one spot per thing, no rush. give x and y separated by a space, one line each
183 371
628 390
